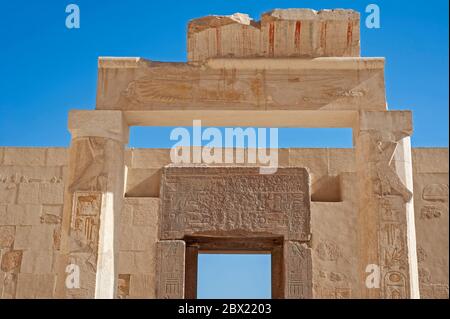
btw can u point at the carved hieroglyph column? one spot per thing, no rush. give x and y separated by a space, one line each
386 210
93 199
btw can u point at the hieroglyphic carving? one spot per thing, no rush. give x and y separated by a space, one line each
11 261
435 193
85 224
236 201
123 286
382 153
91 172
170 269
393 248
328 251
433 211
298 267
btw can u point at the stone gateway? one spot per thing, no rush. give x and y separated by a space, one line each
365 222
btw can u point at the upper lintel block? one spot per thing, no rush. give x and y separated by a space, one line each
280 33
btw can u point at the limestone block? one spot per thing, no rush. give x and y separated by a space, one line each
145 262
125 237
7 234
24 156
126 262
142 286
150 158
143 182
280 33
11 260
147 214
4 219
298 271
123 286
9 281
170 270
22 239
431 220
37 262
350 84
23 214
8 193
223 36
126 217
39 286
28 193
316 160
142 239
51 214
135 238
19 174
106 124
39 237
245 202
309 33
430 160
341 160
57 157
51 193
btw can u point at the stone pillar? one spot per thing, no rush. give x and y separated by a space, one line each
93 200
386 211
171 257
297 271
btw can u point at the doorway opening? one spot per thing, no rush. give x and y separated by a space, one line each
234 276
234 268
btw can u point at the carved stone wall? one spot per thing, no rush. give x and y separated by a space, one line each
31 209
235 202
384 196
431 209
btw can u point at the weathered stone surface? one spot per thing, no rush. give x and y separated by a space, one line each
170 269
230 84
11 261
280 33
51 193
298 271
24 156
7 234
143 182
123 286
37 262
235 201
57 157
36 286
28 193
430 160
23 214
432 218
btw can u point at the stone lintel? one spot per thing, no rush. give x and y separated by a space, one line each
335 83
389 121
280 33
106 124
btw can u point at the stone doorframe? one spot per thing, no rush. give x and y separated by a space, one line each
226 209
386 227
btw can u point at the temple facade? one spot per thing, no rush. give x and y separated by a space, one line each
101 220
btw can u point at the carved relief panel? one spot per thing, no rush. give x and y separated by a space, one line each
235 202
170 269
298 271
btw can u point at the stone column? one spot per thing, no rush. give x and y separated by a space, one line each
93 199
386 212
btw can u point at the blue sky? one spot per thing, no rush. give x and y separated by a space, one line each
47 69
